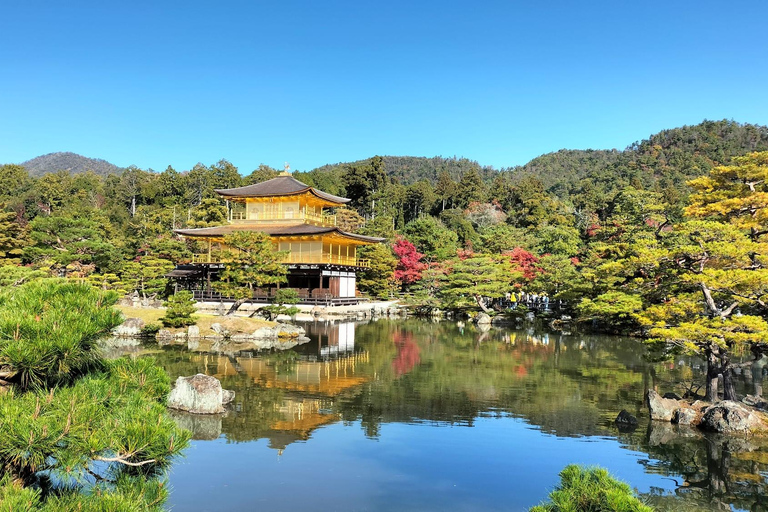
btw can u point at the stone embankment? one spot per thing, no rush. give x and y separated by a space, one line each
307 313
727 416
227 331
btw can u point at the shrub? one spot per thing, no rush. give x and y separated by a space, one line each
591 490
151 329
179 309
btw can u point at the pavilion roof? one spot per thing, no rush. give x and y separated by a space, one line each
280 186
293 230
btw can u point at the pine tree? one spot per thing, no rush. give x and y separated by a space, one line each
71 416
179 309
252 262
12 238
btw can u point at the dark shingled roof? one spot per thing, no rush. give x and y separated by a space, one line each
280 186
297 230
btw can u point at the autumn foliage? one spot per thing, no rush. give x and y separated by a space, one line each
409 264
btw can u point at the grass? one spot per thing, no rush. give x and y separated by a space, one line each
591 489
234 324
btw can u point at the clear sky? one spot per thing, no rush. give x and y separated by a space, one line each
157 83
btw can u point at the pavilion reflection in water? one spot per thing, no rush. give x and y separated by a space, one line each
295 391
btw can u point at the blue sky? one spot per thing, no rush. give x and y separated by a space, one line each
175 83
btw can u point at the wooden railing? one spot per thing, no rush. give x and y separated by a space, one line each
320 219
328 259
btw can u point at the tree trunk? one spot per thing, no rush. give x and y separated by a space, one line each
481 303
729 390
235 306
713 371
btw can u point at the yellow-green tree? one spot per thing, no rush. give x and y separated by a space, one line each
715 270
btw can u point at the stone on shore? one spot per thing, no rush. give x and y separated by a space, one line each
199 394
757 402
686 416
131 327
729 416
661 409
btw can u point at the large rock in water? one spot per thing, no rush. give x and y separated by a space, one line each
483 319
662 409
199 394
729 416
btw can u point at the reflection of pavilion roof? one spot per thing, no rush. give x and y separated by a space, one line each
293 230
280 186
324 378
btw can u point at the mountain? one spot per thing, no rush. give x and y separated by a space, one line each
666 159
410 169
72 162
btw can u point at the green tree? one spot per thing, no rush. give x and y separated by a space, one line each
557 276
471 189
283 303
469 282
432 238
72 415
14 181
210 212
363 183
147 276
445 190
252 262
379 279
179 310
714 271
261 173
12 237
75 245
737 194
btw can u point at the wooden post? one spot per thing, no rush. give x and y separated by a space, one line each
209 250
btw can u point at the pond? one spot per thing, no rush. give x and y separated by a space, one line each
414 415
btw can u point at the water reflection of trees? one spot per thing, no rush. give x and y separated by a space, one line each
716 472
415 371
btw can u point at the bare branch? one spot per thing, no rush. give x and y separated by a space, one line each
122 460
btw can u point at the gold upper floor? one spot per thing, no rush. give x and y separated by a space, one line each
280 210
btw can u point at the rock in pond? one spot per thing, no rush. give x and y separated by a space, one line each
483 319
729 416
686 416
662 409
624 419
199 394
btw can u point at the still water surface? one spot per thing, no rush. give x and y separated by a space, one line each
411 415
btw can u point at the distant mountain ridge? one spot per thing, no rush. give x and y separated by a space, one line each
71 162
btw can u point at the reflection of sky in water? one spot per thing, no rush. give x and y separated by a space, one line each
498 464
535 401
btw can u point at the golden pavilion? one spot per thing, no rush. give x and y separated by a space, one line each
322 259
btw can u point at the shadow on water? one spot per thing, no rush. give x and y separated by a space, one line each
413 372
